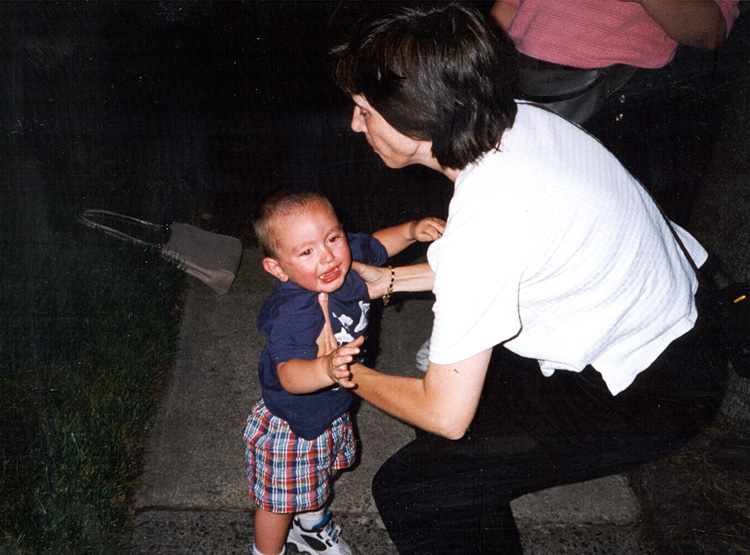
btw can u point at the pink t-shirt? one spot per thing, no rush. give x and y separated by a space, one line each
595 33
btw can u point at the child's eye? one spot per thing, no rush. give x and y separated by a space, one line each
334 238
306 252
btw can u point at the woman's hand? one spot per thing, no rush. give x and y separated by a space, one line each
338 358
417 277
376 278
428 229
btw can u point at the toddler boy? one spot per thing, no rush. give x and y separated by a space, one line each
299 433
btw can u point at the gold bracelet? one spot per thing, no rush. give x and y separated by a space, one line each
387 296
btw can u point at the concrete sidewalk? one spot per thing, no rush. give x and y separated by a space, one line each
192 497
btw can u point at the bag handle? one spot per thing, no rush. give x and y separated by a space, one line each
87 219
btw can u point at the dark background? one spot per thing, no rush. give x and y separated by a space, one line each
193 110
174 111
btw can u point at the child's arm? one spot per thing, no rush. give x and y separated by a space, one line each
397 238
299 376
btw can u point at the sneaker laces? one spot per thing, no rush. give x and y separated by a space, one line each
325 528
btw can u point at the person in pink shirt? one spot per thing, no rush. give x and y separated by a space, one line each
644 74
601 33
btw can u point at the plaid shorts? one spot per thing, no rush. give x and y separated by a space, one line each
289 474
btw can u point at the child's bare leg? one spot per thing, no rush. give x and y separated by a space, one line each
271 530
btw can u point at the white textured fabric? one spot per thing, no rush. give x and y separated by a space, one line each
554 249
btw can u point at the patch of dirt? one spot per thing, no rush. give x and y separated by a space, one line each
697 502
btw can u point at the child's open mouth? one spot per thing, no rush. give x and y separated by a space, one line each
331 276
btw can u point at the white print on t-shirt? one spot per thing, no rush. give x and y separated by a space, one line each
345 335
364 309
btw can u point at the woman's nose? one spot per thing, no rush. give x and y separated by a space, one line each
357 121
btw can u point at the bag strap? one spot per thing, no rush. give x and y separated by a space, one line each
87 219
702 281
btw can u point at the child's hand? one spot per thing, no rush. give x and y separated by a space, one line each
428 229
339 359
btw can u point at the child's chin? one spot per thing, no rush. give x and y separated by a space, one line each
331 287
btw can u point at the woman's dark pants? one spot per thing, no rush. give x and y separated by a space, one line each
532 432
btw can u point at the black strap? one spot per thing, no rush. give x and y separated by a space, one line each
89 218
702 281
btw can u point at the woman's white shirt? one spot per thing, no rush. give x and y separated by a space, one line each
552 248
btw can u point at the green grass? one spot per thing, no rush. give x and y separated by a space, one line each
88 328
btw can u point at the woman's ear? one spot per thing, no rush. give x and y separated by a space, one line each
274 268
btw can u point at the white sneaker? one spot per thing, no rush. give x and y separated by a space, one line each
422 360
322 540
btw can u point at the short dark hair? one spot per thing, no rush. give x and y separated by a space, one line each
282 203
439 73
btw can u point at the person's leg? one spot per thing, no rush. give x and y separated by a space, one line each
313 531
271 530
438 496
532 433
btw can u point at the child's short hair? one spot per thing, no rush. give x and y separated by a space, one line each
282 203
438 73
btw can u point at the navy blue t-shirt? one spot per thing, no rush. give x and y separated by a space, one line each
291 321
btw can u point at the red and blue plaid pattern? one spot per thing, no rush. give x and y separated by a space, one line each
289 474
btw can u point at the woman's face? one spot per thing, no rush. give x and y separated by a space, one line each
396 150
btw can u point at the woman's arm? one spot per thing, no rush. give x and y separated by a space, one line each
397 238
698 23
443 402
